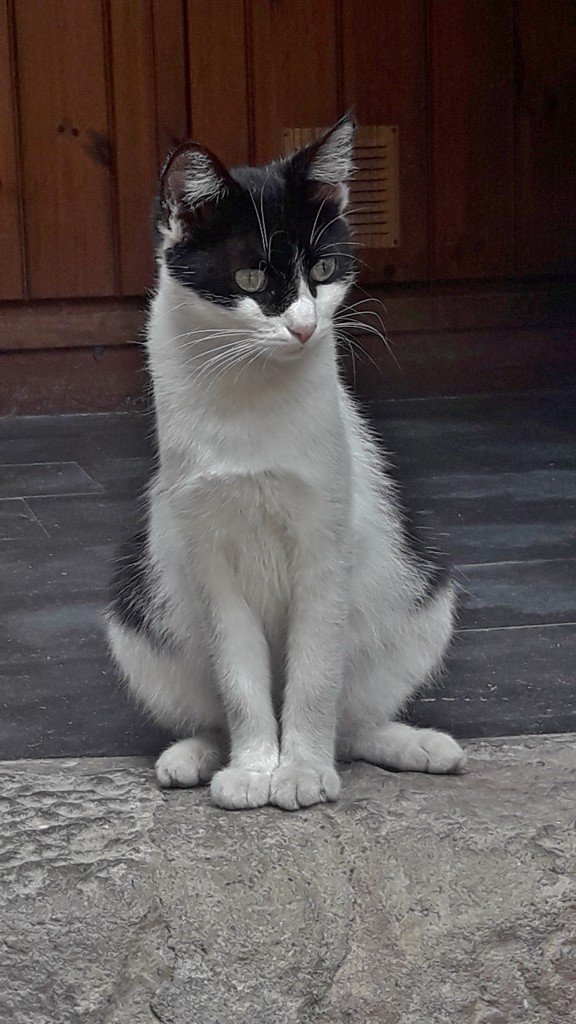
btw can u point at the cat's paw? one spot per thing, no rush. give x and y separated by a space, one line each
190 762
301 785
436 752
408 749
237 789
425 750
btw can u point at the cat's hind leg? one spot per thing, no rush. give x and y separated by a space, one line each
180 694
381 678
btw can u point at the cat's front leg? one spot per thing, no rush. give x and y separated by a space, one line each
241 659
306 774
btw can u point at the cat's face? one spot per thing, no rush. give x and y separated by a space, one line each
265 250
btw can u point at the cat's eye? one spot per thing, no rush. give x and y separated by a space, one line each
251 280
323 270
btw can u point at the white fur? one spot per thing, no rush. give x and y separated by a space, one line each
285 581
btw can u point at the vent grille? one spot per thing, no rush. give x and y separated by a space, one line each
374 211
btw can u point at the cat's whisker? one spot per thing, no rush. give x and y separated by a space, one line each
199 347
361 325
355 345
351 241
218 351
353 311
167 312
228 367
340 216
207 336
371 298
369 329
353 358
246 365
319 211
266 242
258 218
326 226
218 354
219 370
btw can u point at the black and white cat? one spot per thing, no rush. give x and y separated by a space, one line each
274 610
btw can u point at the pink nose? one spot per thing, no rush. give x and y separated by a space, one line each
302 331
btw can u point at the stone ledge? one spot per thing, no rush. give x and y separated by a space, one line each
414 900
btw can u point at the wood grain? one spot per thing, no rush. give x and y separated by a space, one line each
384 60
66 145
72 380
71 323
11 249
471 53
546 137
136 157
218 79
294 69
170 85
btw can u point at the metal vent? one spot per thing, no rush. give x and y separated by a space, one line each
374 211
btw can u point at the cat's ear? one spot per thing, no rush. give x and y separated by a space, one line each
192 181
328 163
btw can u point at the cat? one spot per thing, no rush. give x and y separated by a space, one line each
274 610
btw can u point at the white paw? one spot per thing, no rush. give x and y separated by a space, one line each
426 750
408 749
190 762
302 785
238 788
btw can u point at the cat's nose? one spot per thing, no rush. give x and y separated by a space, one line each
302 331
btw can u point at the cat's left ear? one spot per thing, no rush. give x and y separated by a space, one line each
328 163
193 180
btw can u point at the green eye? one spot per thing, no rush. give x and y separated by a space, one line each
251 280
323 270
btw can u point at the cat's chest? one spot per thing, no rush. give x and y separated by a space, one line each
254 529
247 511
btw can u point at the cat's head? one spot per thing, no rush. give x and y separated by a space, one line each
263 249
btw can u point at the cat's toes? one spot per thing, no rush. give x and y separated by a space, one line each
295 786
444 754
190 762
237 789
431 751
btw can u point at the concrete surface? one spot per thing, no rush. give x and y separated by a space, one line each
415 900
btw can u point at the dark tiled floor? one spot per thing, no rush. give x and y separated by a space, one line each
494 478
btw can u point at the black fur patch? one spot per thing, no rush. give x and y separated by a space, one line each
272 220
134 591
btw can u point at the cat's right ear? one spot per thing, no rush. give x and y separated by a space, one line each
192 181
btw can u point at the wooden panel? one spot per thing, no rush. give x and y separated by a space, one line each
11 278
72 380
71 323
65 147
218 78
472 137
294 69
449 362
472 306
384 78
131 36
464 362
546 137
170 75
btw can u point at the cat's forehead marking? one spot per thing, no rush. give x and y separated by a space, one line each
270 222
